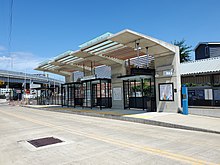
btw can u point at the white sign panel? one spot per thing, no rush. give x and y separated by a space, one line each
208 94
88 77
167 73
35 85
117 95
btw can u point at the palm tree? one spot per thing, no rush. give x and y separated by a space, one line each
184 50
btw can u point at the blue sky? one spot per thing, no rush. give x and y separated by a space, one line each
45 28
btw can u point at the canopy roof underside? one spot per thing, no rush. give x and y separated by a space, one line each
114 49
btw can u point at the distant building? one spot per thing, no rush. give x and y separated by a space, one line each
202 76
207 50
203 80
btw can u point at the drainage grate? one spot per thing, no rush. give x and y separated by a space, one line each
44 141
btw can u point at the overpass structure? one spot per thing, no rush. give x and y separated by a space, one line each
12 79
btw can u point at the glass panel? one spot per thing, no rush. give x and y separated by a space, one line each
103 90
94 95
126 94
147 91
132 89
139 93
84 94
88 94
138 88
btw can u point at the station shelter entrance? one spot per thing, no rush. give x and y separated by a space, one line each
97 93
72 94
88 93
139 90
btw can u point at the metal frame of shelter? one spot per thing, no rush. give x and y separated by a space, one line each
88 93
139 89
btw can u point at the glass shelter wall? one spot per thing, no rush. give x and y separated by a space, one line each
88 93
139 94
72 94
97 93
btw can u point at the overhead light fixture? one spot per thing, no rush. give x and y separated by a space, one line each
137 45
138 48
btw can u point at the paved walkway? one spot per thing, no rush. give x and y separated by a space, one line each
205 111
2 101
99 141
174 120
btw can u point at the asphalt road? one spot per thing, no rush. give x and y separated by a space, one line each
92 140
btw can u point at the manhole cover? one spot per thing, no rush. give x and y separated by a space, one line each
44 141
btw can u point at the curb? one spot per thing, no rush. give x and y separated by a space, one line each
130 119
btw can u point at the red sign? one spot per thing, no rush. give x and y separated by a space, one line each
27 91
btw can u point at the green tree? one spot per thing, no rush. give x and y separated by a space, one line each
184 50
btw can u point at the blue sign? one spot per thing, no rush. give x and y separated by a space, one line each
185 99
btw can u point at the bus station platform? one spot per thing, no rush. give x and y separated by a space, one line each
170 120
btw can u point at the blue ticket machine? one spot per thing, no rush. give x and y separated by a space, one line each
185 99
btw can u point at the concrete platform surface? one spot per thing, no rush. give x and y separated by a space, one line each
2 101
174 120
205 111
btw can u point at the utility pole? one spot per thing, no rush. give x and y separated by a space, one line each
8 80
25 79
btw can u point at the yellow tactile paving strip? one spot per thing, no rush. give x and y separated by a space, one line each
89 111
140 116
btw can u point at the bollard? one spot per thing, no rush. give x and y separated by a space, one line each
185 99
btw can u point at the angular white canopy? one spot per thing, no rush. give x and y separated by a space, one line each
106 50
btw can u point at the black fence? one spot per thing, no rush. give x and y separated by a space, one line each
204 96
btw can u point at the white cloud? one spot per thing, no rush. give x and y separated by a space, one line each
20 61
25 60
2 48
3 58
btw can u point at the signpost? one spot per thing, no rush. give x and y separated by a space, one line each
185 99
